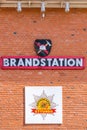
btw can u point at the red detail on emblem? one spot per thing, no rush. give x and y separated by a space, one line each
48 111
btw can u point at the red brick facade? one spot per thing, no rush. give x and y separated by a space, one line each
68 32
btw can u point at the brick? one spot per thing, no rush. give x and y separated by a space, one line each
68 32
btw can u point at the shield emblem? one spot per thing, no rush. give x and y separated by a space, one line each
42 47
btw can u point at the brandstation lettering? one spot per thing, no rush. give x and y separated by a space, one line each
42 62
47 62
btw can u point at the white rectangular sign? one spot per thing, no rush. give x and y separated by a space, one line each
35 62
43 105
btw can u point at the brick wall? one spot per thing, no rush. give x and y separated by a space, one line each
68 32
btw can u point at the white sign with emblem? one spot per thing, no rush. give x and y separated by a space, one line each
43 105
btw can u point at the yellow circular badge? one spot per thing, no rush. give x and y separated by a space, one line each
43 103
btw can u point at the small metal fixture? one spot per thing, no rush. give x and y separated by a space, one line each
19 6
67 6
43 8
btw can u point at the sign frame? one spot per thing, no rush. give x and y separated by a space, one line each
33 96
45 58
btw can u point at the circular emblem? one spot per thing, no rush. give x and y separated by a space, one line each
43 103
42 47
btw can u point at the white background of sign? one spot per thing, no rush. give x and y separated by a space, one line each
30 118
